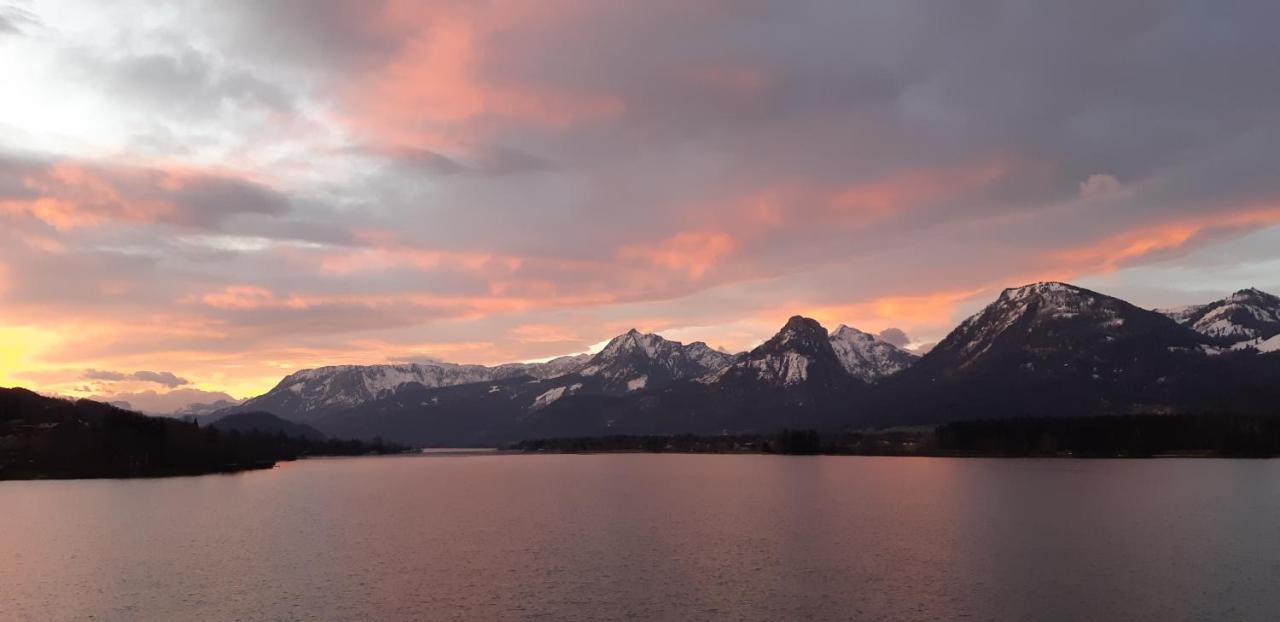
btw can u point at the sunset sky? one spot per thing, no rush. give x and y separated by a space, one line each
200 197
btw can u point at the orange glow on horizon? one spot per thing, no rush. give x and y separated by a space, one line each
913 313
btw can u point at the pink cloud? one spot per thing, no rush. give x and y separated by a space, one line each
691 252
381 250
1115 251
71 195
436 82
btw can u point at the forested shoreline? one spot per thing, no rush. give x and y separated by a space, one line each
1119 436
50 438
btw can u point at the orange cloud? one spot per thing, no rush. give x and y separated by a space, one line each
543 333
691 252
42 243
877 200
242 297
1116 251
247 297
384 251
72 196
910 312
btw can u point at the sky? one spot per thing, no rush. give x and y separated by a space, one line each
199 197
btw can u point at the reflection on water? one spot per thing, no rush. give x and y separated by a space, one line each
670 537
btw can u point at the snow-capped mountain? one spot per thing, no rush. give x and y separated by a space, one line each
1052 320
800 353
200 409
1053 349
867 357
634 360
1047 349
1247 315
311 393
554 368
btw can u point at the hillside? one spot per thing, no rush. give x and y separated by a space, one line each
43 437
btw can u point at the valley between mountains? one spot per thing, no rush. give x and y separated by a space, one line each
1047 349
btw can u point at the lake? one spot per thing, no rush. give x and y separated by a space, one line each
652 537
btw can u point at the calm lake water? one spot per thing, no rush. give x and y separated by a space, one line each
661 537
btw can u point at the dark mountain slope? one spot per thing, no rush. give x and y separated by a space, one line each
634 361
265 423
1052 349
44 437
795 379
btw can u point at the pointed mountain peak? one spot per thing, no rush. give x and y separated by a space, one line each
798 334
799 325
801 352
636 360
866 356
845 331
633 340
800 320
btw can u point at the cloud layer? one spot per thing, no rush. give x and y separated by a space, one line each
233 191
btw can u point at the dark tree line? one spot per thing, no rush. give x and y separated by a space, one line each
790 442
1115 436
43 437
1132 436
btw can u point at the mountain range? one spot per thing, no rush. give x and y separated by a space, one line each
1046 349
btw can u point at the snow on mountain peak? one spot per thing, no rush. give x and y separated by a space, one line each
866 356
1031 305
312 392
634 355
633 340
788 358
1248 314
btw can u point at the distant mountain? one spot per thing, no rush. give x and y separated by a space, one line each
795 379
1046 349
868 357
310 394
469 413
201 409
351 399
265 423
639 383
181 401
635 360
1247 315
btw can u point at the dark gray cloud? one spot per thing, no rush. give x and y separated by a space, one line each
209 200
159 377
15 20
90 191
182 82
894 336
